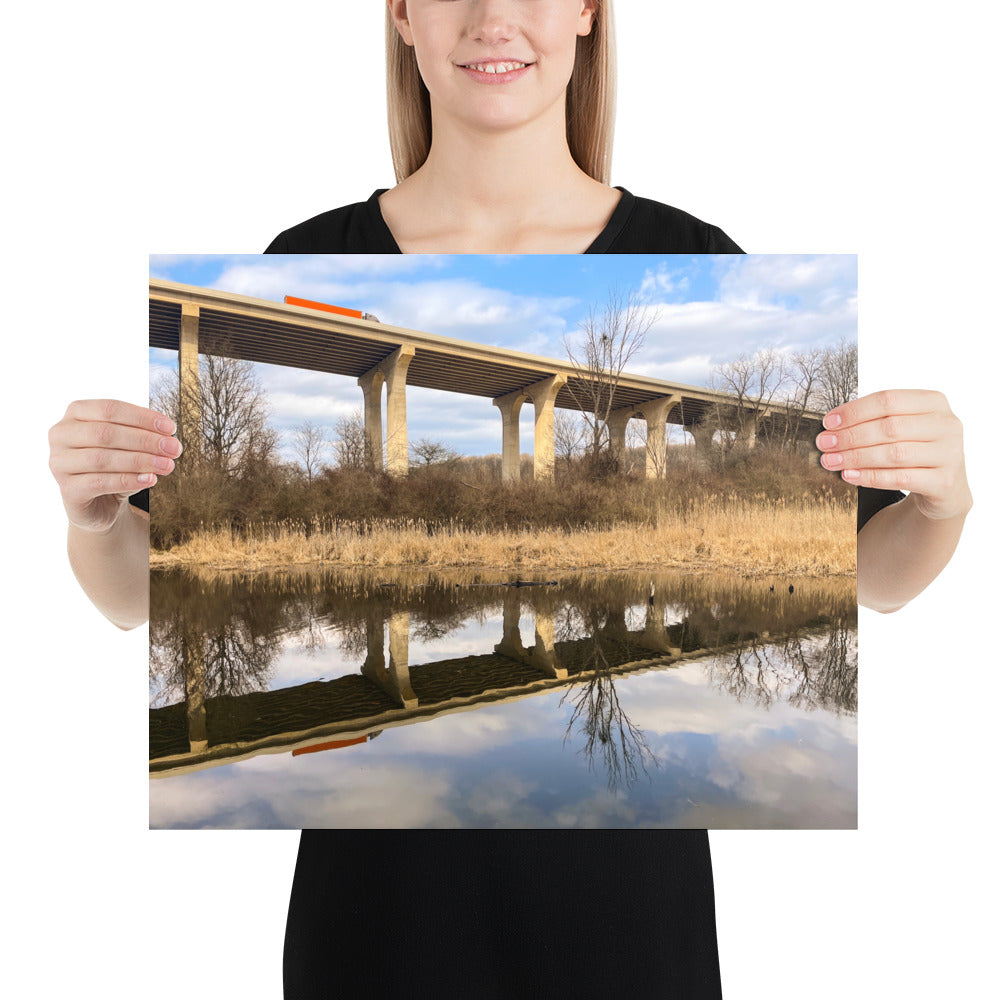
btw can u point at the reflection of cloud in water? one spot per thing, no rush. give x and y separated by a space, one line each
476 731
724 763
469 639
304 792
802 775
502 799
676 700
596 812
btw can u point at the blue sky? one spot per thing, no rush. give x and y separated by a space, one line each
710 310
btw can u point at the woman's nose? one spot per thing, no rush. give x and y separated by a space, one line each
492 21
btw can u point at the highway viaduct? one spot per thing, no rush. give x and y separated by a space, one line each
193 321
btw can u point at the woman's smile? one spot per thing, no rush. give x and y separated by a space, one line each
493 71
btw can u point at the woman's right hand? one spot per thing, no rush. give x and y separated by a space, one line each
103 451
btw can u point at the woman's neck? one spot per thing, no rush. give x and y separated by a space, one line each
498 192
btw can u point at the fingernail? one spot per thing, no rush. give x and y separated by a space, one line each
170 446
833 460
827 441
164 426
832 421
163 464
851 475
146 478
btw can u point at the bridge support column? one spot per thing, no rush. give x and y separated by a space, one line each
654 635
393 371
193 647
510 411
395 680
511 644
189 398
656 412
746 434
543 653
395 368
810 431
617 426
399 657
371 385
543 396
703 433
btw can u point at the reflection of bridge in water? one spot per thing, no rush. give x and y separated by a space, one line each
202 732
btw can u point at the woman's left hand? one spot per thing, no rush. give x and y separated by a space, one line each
901 439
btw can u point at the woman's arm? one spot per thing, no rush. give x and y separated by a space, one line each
901 440
900 551
113 567
101 452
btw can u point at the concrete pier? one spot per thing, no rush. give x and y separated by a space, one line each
189 399
371 385
391 373
543 395
656 412
510 452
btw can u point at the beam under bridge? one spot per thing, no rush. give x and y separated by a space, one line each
195 321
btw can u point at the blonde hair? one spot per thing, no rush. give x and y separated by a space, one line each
590 100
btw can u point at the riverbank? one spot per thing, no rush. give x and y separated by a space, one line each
747 538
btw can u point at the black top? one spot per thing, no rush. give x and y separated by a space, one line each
872 501
637 225
499 914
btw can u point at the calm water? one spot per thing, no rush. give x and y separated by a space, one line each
339 699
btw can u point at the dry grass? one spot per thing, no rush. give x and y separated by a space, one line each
750 537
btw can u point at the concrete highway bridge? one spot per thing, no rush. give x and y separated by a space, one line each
193 320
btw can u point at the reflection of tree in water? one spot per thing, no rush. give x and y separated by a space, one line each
568 622
807 668
311 635
211 638
598 712
245 619
353 642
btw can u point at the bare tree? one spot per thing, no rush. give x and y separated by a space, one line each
351 444
570 431
754 381
433 453
607 341
803 384
838 375
232 407
309 444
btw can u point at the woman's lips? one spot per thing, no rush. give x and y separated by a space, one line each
495 71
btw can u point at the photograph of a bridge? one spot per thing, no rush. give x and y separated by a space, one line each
502 541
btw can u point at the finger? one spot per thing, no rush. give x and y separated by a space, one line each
115 411
898 455
919 427
79 461
82 489
889 402
926 482
93 434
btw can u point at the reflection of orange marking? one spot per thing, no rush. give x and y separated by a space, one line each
332 745
291 300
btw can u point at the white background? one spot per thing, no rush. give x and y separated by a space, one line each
856 127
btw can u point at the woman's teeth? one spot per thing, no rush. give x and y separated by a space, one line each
504 67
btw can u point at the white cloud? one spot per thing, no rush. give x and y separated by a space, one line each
818 283
664 280
323 277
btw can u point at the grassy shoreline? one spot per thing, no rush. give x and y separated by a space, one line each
751 539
